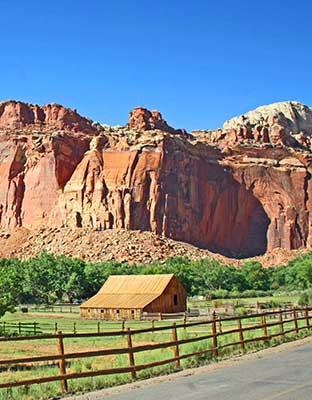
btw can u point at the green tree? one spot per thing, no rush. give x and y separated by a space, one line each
68 281
11 285
39 282
257 277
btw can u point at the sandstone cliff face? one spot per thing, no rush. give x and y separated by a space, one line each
286 123
16 115
143 119
219 190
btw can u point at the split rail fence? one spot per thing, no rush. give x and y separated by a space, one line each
214 329
20 328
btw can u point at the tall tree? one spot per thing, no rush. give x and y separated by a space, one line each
11 285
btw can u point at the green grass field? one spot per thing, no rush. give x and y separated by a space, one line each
70 322
283 298
65 323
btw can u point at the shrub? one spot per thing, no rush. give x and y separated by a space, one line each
218 294
305 298
241 311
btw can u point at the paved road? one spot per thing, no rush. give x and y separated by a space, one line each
283 375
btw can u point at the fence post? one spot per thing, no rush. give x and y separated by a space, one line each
184 320
55 328
295 319
75 330
98 327
214 333
3 327
35 330
123 325
307 316
280 318
153 324
62 362
160 316
241 335
265 328
176 346
19 328
131 355
220 325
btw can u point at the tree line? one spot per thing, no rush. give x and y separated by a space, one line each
47 278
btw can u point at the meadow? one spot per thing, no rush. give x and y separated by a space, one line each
207 282
16 349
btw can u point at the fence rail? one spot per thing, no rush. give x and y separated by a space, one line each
20 328
235 325
76 326
54 308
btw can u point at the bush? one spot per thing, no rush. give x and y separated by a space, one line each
218 294
305 298
241 311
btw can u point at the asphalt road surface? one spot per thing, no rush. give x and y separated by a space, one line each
285 374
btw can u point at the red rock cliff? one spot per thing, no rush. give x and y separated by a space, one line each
16 115
237 197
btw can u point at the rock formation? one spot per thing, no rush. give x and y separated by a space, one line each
143 119
287 123
16 115
239 191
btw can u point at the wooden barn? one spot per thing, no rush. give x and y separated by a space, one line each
128 296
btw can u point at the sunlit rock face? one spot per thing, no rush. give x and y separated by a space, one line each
240 190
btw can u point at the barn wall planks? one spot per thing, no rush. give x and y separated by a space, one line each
165 303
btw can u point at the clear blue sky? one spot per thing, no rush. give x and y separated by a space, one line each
197 61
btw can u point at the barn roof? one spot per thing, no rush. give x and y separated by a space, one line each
129 291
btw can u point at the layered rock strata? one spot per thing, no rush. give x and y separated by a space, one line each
231 193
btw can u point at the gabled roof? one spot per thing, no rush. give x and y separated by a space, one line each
129 291
136 284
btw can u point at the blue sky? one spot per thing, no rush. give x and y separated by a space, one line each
198 62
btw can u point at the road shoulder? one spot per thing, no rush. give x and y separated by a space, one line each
235 360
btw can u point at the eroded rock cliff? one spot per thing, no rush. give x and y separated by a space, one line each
239 191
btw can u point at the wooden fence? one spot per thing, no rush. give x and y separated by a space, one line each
35 328
20 328
217 327
54 308
159 316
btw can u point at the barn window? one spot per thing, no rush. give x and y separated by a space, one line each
175 299
132 312
89 310
117 311
102 311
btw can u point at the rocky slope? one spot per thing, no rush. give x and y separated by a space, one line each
240 191
124 246
134 247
